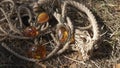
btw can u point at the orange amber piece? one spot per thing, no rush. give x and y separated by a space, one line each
30 32
43 17
62 34
37 52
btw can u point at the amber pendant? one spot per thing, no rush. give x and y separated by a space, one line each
62 34
42 18
30 32
37 52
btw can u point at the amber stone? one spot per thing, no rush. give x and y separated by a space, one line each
43 17
30 32
62 34
37 52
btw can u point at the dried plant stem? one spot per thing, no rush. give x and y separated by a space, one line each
20 8
9 1
91 17
9 23
80 62
56 48
84 48
44 26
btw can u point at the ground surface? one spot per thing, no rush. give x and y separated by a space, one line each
107 13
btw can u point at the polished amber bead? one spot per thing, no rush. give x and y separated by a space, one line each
43 17
62 34
30 32
37 52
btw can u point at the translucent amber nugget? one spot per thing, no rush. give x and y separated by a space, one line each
43 17
37 52
30 32
62 34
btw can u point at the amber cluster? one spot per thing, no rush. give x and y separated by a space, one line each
39 51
